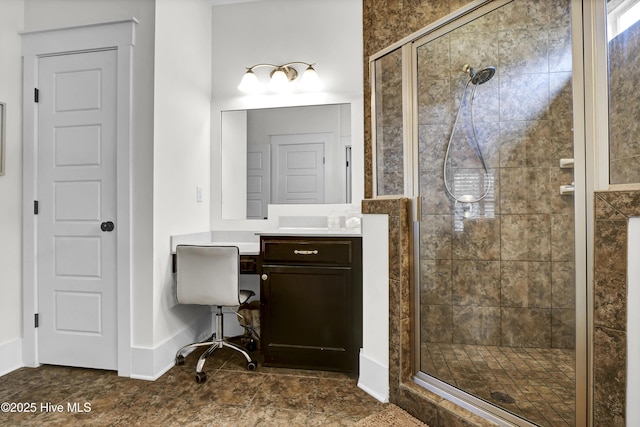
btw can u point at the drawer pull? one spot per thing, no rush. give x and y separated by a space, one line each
303 252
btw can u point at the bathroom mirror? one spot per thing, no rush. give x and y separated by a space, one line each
286 155
623 34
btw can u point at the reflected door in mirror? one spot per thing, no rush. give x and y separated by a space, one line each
298 172
258 174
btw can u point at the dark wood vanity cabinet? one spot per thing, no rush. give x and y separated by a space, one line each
311 295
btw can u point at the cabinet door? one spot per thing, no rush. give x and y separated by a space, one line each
306 316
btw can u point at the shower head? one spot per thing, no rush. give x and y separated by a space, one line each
479 77
483 75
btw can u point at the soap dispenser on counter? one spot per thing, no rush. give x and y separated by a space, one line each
333 220
353 219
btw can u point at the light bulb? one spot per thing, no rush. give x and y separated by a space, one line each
310 80
279 81
249 83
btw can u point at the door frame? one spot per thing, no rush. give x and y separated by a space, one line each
119 36
265 151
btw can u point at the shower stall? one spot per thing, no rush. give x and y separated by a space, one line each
473 119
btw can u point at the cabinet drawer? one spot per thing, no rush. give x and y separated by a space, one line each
307 251
248 264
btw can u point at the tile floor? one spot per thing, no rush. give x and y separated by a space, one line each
541 382
231 396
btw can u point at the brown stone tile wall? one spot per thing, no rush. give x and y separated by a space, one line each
624 107
612 210
389 125
524 125
492 279
384 22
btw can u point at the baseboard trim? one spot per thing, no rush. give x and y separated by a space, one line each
374 378
11 356
151 363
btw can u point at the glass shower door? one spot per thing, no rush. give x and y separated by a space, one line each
496 258
389 176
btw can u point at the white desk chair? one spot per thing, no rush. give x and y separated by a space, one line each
209 275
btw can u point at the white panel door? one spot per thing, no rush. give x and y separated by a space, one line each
298 172
258 188
76 273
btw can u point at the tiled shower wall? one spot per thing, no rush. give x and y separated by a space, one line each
492 279
624 107
610 304
505 277
384 23
389 166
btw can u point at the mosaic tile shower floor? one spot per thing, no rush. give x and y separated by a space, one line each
537 384
231 396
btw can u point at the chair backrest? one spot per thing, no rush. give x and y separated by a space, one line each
208 275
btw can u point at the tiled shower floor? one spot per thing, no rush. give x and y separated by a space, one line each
537 384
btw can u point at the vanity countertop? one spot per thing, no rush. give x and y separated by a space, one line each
247 243
245 248
312 232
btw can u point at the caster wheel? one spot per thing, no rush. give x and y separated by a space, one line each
251 345
201 377
251 366
179 360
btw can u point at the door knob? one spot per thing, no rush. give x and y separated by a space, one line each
265 277
107 226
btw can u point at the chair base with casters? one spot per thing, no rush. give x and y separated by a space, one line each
209 275
217 341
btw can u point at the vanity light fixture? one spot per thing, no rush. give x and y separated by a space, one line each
281 78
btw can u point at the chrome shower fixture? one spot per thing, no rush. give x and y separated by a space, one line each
464 203
479 77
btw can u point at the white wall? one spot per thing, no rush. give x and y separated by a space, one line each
11 20
164 173
170 144
182 112
45 14
374 356
633 324
325 32
234 169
